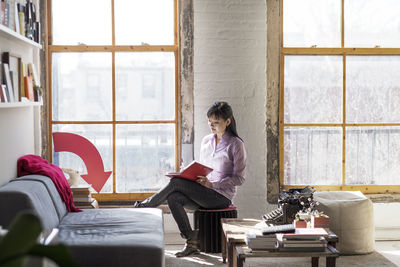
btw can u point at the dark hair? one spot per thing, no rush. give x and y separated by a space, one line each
224 111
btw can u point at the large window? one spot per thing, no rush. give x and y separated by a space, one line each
113 67
340 95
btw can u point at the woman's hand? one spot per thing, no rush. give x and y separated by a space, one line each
181 167
204 181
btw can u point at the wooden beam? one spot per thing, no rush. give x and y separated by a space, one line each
339 51
366 189
111 48
121 196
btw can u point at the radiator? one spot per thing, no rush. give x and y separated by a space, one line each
208 222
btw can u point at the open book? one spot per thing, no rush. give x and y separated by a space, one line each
191 171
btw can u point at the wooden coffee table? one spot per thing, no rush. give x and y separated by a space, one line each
234 247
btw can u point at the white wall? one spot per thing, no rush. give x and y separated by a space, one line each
230 65
17 138
387 221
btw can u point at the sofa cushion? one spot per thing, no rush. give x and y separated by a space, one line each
52 190
21 195
115 237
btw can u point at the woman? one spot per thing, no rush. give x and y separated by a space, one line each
223 150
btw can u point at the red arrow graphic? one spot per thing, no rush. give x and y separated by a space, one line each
69 142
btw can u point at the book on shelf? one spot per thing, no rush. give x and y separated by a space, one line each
1 73
14 83
37 32
32 10
191 171
9 15
3 96
22 80
7 81
29 88
33 72
13 62
21 17
17 28
28 12
3 13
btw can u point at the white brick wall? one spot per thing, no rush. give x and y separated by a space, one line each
230 65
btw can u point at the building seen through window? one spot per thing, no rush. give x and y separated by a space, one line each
340 86
117 88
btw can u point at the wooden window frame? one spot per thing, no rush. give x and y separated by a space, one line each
175 48
341 51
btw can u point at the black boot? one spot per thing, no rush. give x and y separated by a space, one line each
192 245
142 204
137 204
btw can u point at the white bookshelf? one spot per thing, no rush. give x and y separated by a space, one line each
7 33
20 122
20 104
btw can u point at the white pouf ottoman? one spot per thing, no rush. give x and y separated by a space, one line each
351 218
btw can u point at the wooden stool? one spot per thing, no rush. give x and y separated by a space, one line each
208 222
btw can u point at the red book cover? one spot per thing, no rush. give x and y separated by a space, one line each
191 172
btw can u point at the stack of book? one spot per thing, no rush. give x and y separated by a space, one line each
82 196
261 242
21 18
303 239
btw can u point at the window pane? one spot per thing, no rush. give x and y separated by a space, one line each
369 23
101 138
313 89
144 22
144 153
82 86
373 155
81 22
313 156
311 22
373 89
145 86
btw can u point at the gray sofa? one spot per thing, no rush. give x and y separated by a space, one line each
96 237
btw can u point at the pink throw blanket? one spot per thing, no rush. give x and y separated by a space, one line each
32 164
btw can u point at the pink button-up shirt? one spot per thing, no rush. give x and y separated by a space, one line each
228 160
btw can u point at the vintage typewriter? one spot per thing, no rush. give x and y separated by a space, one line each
289 203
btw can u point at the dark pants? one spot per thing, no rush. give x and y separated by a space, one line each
182 193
